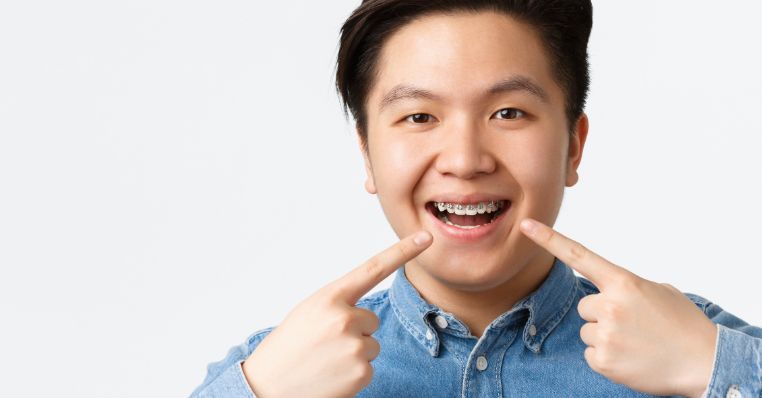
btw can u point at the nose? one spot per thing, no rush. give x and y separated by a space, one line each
464 152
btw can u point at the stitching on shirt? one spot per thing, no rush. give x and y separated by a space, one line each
499 370
409 327
558 316
374 299
466 382
443 347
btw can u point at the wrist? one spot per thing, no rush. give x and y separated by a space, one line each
702 368
248 373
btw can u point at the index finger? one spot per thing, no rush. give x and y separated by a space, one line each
352 286
592 266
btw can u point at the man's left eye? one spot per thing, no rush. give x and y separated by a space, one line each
510 113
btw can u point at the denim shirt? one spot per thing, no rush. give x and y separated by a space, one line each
533 350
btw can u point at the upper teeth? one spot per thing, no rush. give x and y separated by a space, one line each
470 209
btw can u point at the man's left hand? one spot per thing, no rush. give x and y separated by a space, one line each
648 336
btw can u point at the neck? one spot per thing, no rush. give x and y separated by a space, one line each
478 309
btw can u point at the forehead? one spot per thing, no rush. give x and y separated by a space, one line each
461 55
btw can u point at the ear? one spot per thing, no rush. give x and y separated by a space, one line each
370 184
576 145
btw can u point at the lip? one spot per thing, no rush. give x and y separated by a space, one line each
474 234
466 199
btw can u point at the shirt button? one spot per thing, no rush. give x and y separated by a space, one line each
733 392
441 321
429 335
532 330
481 363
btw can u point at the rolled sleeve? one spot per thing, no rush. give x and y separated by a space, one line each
737 369
231 383
225 378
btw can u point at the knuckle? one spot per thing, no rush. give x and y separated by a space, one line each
342 321
577 251
356 348
376 347
605 338
368 318
373 268
375 322
583 303
361 375
612 310
627 283
583 332
603 360
402 250
590 357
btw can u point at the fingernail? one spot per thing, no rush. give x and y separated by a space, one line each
528 226
422 238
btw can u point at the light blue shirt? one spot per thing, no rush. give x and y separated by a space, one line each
533 350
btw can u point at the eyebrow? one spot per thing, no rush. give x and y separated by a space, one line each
511 84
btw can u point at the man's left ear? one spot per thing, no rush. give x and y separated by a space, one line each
576 145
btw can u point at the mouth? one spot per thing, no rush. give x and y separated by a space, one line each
469 222
468 216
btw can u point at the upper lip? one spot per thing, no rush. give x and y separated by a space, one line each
473 198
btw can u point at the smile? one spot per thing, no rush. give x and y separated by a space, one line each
468 221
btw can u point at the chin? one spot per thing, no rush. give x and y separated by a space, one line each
466 272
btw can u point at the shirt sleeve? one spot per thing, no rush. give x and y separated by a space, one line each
225 378
737 366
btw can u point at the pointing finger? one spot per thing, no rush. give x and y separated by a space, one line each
592 266
352 286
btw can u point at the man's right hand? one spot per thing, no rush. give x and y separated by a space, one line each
323 348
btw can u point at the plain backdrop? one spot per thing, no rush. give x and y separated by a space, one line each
175 175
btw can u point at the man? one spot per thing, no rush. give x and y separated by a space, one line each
470 119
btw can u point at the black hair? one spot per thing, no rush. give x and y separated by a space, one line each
563 25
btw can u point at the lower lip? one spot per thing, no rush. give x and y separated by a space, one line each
472 234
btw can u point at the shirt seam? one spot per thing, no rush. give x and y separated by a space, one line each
373 301
560 314
409 327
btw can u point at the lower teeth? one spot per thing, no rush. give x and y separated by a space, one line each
448 222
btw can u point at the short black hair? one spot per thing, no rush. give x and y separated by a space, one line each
563 25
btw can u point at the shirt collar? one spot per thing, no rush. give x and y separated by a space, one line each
546 306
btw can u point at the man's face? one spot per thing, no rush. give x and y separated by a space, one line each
455 132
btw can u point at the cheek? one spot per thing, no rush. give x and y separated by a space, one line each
537 163
398 165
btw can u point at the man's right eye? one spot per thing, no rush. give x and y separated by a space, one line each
419 118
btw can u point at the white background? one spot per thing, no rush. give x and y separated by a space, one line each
144 146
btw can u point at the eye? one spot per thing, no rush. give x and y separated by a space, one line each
510 113
419 118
